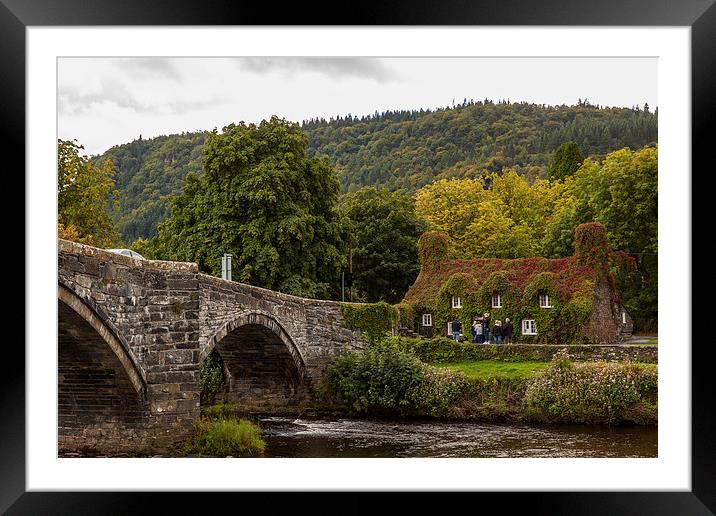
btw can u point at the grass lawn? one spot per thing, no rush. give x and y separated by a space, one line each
494 368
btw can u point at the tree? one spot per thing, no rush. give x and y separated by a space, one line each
384 231
507 220
264 201
84 191
567 160
621 193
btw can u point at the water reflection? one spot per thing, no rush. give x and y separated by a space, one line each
363 438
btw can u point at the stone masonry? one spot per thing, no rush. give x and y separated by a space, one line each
132 335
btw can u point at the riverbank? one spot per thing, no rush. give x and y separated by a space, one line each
447 380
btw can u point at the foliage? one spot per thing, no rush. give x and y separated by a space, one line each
432 248
222 410
590 392
149 172
567 160
499 216
226 437
621 193
385 380
144 247
375 320
569 283
590 244
383 229
395 149
264 201
443 350
409 149
84 190
212 381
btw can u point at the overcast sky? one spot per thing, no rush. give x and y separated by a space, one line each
104 102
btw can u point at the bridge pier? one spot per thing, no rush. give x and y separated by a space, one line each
132 335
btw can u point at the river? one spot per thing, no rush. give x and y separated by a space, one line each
345 438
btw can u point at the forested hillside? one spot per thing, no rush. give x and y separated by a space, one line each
402 150
147 173
409 149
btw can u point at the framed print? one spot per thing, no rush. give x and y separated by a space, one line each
61 63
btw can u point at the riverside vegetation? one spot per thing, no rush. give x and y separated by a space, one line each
399 376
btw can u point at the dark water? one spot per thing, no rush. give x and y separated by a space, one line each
344 438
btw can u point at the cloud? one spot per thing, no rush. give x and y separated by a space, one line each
148 68
333 67
72 101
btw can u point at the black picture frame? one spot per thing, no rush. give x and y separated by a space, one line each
700 15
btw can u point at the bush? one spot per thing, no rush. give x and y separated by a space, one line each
220 411
590 392
227 437
385 380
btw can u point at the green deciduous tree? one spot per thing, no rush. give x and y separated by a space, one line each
621 193
567 160
384 231
84 190
264 201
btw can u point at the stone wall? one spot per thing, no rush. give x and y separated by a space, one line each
146 313
310 331
133 333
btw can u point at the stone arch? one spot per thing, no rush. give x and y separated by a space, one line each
103 327
263 363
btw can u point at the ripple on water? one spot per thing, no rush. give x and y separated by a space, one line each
370 438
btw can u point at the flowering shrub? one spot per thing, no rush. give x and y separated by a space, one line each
437 391
589 392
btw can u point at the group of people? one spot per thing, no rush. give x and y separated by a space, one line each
481 330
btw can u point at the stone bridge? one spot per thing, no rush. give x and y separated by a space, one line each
132 335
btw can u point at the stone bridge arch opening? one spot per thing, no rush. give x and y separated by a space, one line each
262 364
101 390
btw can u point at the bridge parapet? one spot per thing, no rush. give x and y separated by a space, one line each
158 320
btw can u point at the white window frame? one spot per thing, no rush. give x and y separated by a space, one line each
427 319
547 303
456 302
529 327
624 317
449 325
498 298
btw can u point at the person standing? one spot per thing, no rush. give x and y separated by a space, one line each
456 328
479 336
497 332
507 331
486 327
476 331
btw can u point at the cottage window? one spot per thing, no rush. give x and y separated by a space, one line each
544 301
623 317
449 326
496 301
456 302
529 327
427 319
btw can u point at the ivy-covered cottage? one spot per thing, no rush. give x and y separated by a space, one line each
566 300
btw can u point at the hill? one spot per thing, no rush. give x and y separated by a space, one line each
395 149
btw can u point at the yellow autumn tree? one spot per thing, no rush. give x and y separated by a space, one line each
500 216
